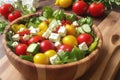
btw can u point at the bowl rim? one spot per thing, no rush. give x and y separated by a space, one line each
87 58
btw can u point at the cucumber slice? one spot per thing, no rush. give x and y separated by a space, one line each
33 48
53 23
80 30
86 28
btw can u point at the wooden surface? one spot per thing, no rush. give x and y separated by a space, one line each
107 64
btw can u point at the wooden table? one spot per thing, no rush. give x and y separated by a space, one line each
108 64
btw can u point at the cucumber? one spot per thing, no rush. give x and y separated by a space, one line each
86 28
33 48
53 24
80 30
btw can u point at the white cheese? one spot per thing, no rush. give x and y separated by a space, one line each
53 58
14 44
26 37
33 30
59 22
75 23
46 34
21 29
62 31
57 43
16 37
54 37
83 46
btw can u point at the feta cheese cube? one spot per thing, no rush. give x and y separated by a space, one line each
14 44
26 37
83 46
33 30
16 37
53 58
21 29
46 34
57 43
75 23
59 22
54 37
62 31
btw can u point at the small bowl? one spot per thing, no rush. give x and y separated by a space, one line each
69 71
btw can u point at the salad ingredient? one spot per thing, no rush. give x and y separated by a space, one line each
35 39
80 7
64 47
47 12
59 15
50 53
21 49
6 9
33 48
86 28
27 57
41 58
2 26
85 37
24 32
70 40
46 45
14 15
70 29
96 9
63 3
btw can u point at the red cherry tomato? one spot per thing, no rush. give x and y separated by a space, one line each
96 9
80 7
23 40
46 45
6 9
21 49
14 15
64 22
35 39
56 31
85 37
64 47
22 33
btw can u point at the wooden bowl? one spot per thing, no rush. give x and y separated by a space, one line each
70 71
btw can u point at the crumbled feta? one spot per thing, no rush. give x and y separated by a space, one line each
46 34
21 29
59 22
62 31
33 30
57 43
75 23
26 37
14 44
83 46
16 37
53 58
54 37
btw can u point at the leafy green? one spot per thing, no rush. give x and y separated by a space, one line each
47 12
72 17
67 57
2 26
27 57
59 15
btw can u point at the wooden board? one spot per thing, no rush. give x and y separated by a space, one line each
105 67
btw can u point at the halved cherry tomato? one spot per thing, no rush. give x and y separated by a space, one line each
22 33
35 39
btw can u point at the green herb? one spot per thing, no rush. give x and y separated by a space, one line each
59 15
71 18
47 12
2 26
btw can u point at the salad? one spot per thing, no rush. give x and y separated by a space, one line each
52 37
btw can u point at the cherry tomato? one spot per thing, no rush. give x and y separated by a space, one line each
85 37
50 53
14 15
35 39
64 47
6 9
21 49
46 45
23 40
70 29
80 7
22 33
41 58
70 40
56 31
96 9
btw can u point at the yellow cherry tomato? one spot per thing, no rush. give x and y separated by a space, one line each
43 26
50 53
41 58
63 3
70 40
70 29
15 27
